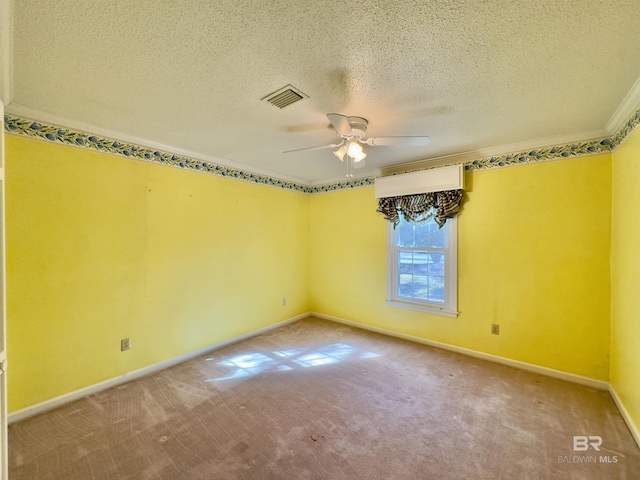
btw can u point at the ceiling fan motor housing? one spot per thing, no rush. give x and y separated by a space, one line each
358 125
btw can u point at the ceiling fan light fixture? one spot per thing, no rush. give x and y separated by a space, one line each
352 132
354 150
340 153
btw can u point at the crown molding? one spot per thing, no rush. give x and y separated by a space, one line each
630 104
29 113
524 151
6 49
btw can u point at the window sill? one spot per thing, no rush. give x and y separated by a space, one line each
423 308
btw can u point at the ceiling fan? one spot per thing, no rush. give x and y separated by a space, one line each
352 130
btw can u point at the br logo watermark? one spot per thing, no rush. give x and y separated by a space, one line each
584 443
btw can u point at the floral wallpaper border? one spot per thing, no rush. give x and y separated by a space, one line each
52 133
31 128
582 149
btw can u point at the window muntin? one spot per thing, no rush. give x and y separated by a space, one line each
422 267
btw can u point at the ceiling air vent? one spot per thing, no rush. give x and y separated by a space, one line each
285 96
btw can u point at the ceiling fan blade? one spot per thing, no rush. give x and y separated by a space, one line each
307 127
341 124
401 141
333 145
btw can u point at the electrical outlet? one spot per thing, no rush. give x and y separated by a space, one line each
495 329
125 344
284 301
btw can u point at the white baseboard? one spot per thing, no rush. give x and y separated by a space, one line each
127 377
550 372
625 415
98 387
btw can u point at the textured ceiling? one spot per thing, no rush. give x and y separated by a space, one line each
190 75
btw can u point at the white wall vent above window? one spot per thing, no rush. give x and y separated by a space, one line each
433 180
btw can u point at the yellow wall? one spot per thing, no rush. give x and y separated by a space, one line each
625 276
101 247
533 257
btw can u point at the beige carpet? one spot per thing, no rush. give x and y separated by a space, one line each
319 400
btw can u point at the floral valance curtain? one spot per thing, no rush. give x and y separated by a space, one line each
421 207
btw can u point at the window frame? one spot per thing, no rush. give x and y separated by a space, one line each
450 306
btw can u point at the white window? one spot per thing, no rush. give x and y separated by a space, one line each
422 271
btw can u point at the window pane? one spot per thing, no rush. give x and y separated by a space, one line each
405 262
420 263
437 235
436 289
436 264
423 235
421 287
404 234
405 285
